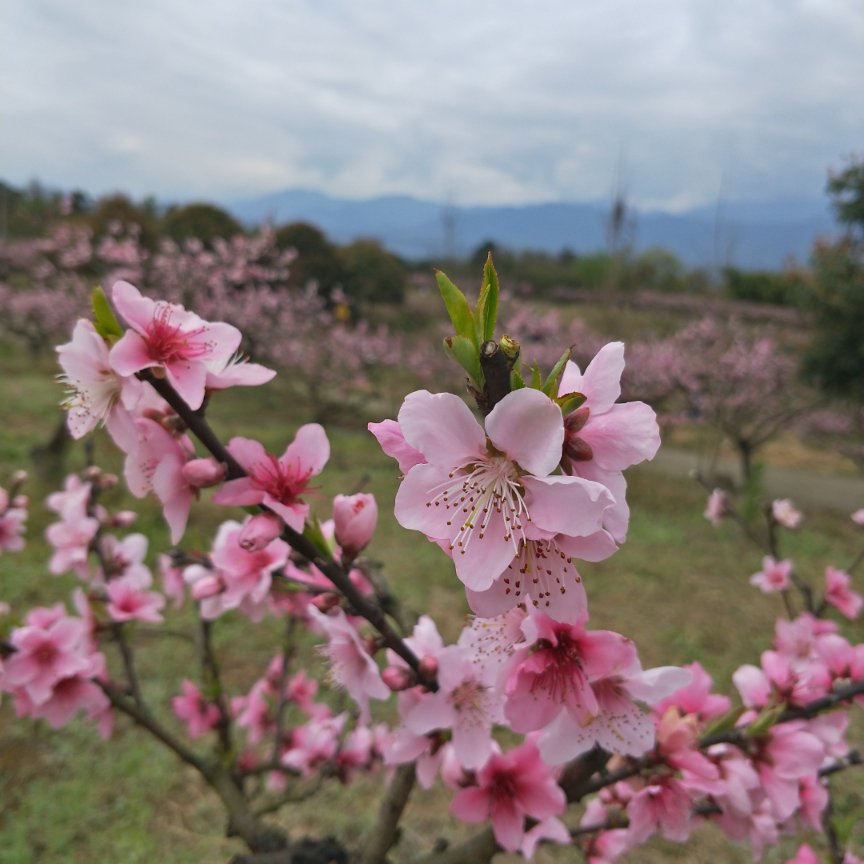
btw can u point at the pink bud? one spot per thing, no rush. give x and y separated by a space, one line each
259 531
326 601
428 667
397 678
207 586
354 518
124 518
108 481
4 500
20 501
201 473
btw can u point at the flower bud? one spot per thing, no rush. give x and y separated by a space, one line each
20 501
397 678
4 500
124 518
19 477
259 531
207 586
325 602
354 518
428 667
201 473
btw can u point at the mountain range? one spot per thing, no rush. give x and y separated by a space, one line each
747 234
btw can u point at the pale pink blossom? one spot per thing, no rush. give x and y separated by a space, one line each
199 715
350 664
389 435
484 498
129 600
50 647
466 703
277 483
784 513
603 437
839 593
717 506
155 464
663 805
858 517
804 855
12 522
510 788
354 520
97 393
167 337
774 575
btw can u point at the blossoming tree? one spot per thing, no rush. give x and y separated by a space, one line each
543 729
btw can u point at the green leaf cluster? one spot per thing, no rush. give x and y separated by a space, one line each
473 326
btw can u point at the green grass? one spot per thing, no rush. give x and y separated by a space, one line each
679 587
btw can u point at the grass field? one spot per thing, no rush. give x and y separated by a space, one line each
679 587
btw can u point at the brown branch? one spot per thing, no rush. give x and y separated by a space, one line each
241 820
196 423
213 683
386 831
479 849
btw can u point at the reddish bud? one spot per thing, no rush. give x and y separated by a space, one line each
354 520
259 531
397 678
428 667
325 602
124 518
201 473
208 586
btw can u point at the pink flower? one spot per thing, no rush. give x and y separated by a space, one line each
277 483
717 507
351 666
354 520
784 513
195 711
166 336
839 593
389 435
128 600
858 517
12 529
603 438
774 575
664 805
97 393
50 646
484 498
466 702
804 855
509 788
259 531
155 464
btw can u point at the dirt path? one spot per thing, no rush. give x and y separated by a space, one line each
805 488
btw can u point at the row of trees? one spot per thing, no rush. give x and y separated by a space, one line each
364 269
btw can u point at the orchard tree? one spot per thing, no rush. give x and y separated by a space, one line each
200 221
835 358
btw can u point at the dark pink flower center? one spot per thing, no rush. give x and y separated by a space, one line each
167 343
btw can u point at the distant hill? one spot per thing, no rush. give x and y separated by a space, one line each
752 235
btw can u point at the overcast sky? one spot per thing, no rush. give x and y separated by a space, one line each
678 101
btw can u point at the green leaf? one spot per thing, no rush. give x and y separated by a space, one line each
550 385
724 723
467 355
569 402
313 533
457 307
104 320
760 727
536 377
486 313
516 380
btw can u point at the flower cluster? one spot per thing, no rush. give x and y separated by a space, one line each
514 502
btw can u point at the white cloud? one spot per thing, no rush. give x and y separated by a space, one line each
483 102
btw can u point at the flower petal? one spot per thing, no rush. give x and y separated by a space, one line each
442 427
